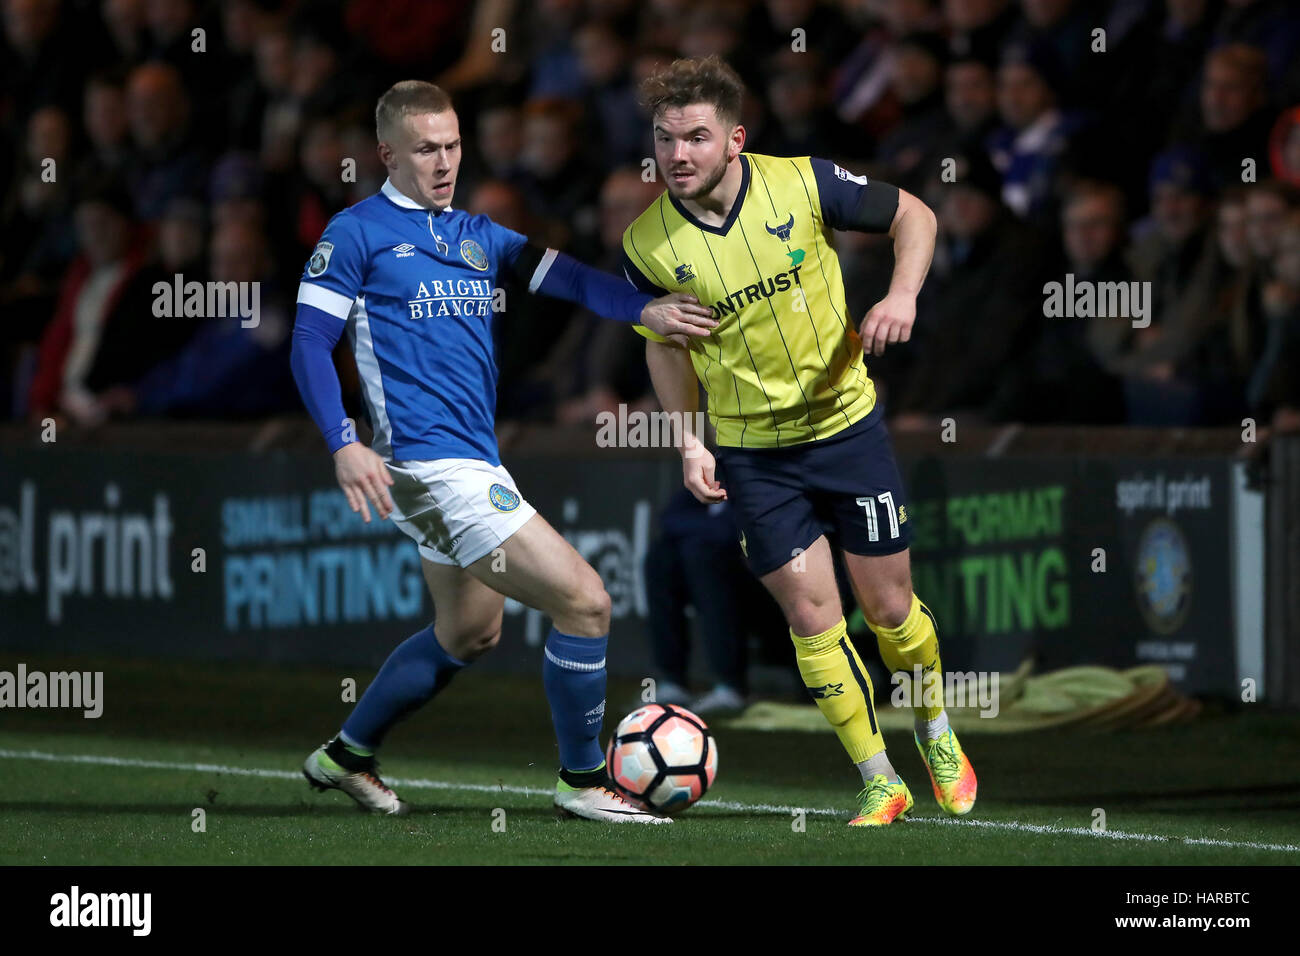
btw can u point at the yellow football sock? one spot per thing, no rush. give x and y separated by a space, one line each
835 677
915 642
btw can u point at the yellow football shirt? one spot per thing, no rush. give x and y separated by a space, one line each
785 364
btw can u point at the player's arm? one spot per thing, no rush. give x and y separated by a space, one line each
850 202
322 312
556 274
678 391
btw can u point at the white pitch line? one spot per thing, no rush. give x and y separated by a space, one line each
422 784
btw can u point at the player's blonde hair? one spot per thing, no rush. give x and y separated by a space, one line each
702 80
408 98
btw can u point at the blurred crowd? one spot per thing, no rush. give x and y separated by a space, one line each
1111 141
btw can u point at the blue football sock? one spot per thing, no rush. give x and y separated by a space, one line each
417 670
574 676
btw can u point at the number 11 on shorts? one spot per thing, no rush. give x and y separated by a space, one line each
886 498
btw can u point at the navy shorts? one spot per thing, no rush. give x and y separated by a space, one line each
846 487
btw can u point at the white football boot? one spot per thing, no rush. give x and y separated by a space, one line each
590 794
600 803
332 767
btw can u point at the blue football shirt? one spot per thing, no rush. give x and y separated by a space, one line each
415 289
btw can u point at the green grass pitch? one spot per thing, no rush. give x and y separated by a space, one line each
229 739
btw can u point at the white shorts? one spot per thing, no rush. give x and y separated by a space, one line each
456 509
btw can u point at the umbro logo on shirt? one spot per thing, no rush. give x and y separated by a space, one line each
404 250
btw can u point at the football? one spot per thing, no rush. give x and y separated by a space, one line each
662 758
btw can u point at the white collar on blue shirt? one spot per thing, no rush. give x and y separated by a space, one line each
403 200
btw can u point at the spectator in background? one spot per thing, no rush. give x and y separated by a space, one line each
103 331
124 26
181 234
917 83
971 107
274 126
1157 67
36 245
37 63
1230 346
282 88
555 73
1266 208
980 310
311 82
1027 148
169 32
1270 26
319 83
860 88
244 24
558 182
1233 122
598 364
499 136
320 191
609 98
978 28
166 162
1063 379
104 119
226 370
235 192
1273 391
800 122
772 24
1062 29
1178 259
38 240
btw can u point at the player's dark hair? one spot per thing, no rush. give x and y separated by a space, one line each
704 80
408 98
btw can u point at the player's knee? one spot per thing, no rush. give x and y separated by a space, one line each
586 610
808 616
484 642
596 608
470 643
888 609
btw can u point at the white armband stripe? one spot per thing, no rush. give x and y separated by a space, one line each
327 300
543 267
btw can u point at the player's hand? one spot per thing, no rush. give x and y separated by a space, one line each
698 466
678 317
362 476
889 321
